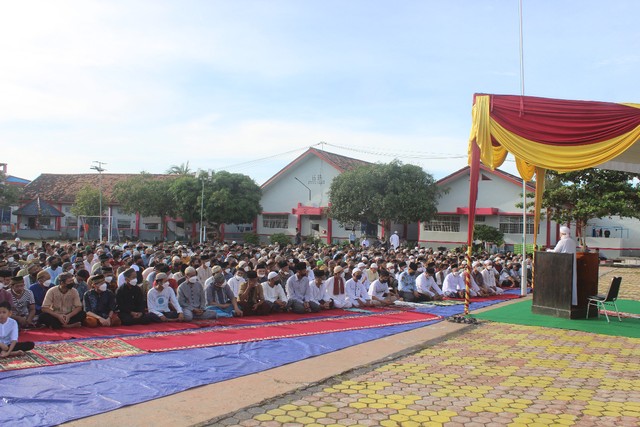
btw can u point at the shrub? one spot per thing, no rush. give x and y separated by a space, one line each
280 239
251 238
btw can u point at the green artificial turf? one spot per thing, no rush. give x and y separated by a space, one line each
520 314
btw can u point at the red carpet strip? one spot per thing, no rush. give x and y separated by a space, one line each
235 335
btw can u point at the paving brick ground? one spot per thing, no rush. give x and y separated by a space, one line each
630 286
493 375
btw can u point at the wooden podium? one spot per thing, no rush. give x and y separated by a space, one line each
554 280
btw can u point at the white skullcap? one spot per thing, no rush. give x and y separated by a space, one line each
374 265
362 265
272 275
355 270
565 230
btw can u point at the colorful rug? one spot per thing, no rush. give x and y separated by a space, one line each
234 335
69 352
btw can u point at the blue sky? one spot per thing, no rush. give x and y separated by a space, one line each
143 85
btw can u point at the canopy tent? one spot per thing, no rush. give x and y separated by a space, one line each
544 133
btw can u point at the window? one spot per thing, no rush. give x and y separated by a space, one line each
124 223
275 221
152 225
513 225
71 221
66 208
481 218
450 223
5 215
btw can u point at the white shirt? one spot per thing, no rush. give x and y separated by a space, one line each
273 294
427 285
337 298
8 331
356 290
158 302
317 293
204 273
378 289
489 277
394 240
453 283
234 283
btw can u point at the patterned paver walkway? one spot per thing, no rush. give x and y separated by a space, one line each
494 375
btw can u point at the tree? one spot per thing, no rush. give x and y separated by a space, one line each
579 196
9 194
87 202
488 234
382 193
231 198
186 192
183 169
147 195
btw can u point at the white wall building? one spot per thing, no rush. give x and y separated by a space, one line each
298 197
498 194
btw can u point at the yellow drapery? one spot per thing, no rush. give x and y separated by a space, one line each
530 154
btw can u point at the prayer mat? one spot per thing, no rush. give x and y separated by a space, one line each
69 352
30 359
235 335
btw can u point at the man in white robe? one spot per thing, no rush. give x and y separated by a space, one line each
566 245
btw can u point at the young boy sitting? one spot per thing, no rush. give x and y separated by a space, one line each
9 345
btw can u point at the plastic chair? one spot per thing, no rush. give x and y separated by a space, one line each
601 301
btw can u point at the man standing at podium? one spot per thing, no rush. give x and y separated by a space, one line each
566 245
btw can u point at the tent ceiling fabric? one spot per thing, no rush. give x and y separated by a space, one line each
560 135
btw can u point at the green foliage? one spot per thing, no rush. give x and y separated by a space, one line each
280 239
228 198
182 169
488 234
186 191
9 194
316 241
251 238
231 198
87 202
383 193
591 193
146 194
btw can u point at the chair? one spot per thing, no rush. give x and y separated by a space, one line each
601 301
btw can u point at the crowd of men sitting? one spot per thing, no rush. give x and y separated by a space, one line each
61 285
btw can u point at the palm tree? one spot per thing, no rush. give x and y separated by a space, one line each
183 169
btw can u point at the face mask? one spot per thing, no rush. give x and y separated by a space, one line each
247 269
193 279
456 273
207 264
227 270
108 279
11 259
102 287
70 286
392 270
71 270
239 277
133 282
46 283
